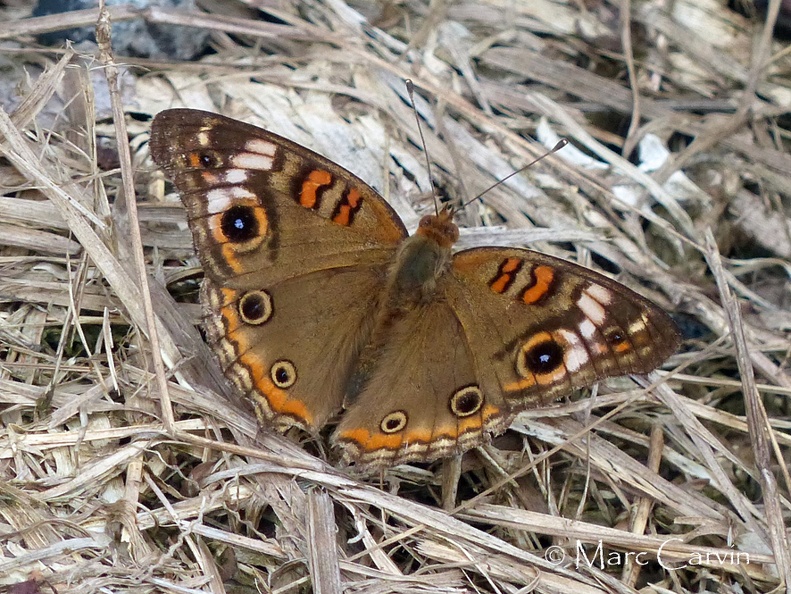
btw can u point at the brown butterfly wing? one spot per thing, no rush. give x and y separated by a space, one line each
295 250
510 329
420 401
262 208
297 254
292 347
543 326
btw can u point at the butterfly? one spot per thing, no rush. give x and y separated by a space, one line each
320 305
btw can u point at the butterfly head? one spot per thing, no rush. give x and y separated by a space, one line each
439 228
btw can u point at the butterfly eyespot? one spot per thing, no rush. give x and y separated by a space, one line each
394 422
617 340
203 160
283 373
466 401
255 307
539 356
239 224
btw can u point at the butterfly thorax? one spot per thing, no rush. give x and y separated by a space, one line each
422 259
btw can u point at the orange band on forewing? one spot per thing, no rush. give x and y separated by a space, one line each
353 198
344 216
505 275
210 178
537 338
622 347
230 259
350 203
316 179
547 379
541 379
522 384
498 286
543 280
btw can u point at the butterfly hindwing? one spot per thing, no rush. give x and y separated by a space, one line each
287 348
421 399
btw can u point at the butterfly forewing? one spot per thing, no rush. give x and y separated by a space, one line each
545 326
263 209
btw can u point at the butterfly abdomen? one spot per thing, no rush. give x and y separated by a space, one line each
413 276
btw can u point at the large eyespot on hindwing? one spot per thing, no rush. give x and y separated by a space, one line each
393 422
466 401
255 307
283 374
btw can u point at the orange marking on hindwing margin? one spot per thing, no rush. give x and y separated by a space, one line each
232 322
371 442
544 275
277 400
318 178
475 422
505 275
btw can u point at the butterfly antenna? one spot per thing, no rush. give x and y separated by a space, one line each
410 89
561 143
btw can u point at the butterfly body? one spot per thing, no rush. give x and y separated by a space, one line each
319 302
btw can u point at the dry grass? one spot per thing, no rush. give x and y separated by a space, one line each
125 467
